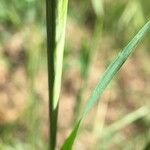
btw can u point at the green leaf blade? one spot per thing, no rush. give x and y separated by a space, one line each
70 140
59 47
114 68
105 80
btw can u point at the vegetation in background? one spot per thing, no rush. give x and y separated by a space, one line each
95 32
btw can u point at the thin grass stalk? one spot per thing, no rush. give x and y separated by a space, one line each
51 44
56 14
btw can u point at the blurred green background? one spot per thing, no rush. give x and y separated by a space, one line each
96 31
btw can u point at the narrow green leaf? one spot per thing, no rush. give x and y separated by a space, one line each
106 78
59 47
114 68
70 140
128 119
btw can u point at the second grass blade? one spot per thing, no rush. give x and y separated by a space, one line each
105 80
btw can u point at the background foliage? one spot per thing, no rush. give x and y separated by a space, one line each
96 31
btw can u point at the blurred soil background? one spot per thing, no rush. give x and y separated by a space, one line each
96 31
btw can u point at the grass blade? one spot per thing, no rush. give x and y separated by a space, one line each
125 121
56 14
114 68
107 77
69 142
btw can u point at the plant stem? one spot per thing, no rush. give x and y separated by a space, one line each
51 44
56 14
